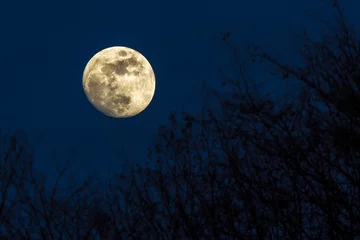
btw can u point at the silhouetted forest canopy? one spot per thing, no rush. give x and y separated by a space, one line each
261 168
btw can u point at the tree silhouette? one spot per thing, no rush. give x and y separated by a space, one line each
29 209
262 168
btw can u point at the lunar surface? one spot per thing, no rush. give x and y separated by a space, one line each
119 82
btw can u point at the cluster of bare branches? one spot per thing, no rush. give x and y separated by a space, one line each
30 208
259 169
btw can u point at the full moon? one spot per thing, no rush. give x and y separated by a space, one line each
119 82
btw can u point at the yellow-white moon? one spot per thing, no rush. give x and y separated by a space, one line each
119 82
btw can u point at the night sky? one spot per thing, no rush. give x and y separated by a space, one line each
181 39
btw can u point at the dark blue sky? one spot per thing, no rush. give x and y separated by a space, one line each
181 40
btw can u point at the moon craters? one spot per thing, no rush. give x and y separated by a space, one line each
95 87
111 101
122 53
122 100
121 67
119 82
